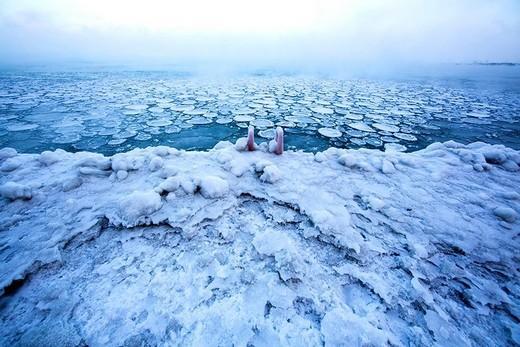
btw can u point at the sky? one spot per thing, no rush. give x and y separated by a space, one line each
259 33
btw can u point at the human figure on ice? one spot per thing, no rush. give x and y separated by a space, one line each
251 145
274 146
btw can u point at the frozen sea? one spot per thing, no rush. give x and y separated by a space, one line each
134 212
111 110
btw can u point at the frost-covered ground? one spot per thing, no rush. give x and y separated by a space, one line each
342 247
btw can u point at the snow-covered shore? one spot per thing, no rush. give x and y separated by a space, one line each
343 247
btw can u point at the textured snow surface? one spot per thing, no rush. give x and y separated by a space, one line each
230 247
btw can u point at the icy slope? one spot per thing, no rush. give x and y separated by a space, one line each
344 247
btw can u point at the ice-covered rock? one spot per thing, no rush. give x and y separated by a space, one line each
155 164
348 160
7 152
14 191
387 167
271 174
241 144
505 213
137 207
11 164
171 184
122 174
126 162
71 183
339 249
49 158
213 187
94 161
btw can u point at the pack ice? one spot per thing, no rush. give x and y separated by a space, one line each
158 246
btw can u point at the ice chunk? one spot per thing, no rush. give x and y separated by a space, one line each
387 167
171 184
48 158
341 327
138 107
213 187
159 122
375 203
137 205
280 246
71 183
347 160
494 156
505 213
156 109
187 184
510 165
361 127
199 120
262 123
271 174
93 171
322 110
271 242
155 164
386 127
241 144
122 174
267 133
423 292
7 152
243 118
419 250
238 166
224 120
407 137
11 164
22 127
161 151
329 132
96 161
126 162
394 147
14 191
320 157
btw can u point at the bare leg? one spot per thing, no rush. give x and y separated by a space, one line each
251 139
278 138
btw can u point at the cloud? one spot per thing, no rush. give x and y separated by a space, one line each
305 33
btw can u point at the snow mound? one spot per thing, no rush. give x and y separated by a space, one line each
270 174
14 191
137 207
212 187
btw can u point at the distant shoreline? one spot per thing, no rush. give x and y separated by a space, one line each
492 64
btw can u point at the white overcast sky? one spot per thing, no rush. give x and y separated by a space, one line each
259 32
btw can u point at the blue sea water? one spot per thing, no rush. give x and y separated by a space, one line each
114 110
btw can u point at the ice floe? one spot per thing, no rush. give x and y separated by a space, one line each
379 112
329 132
